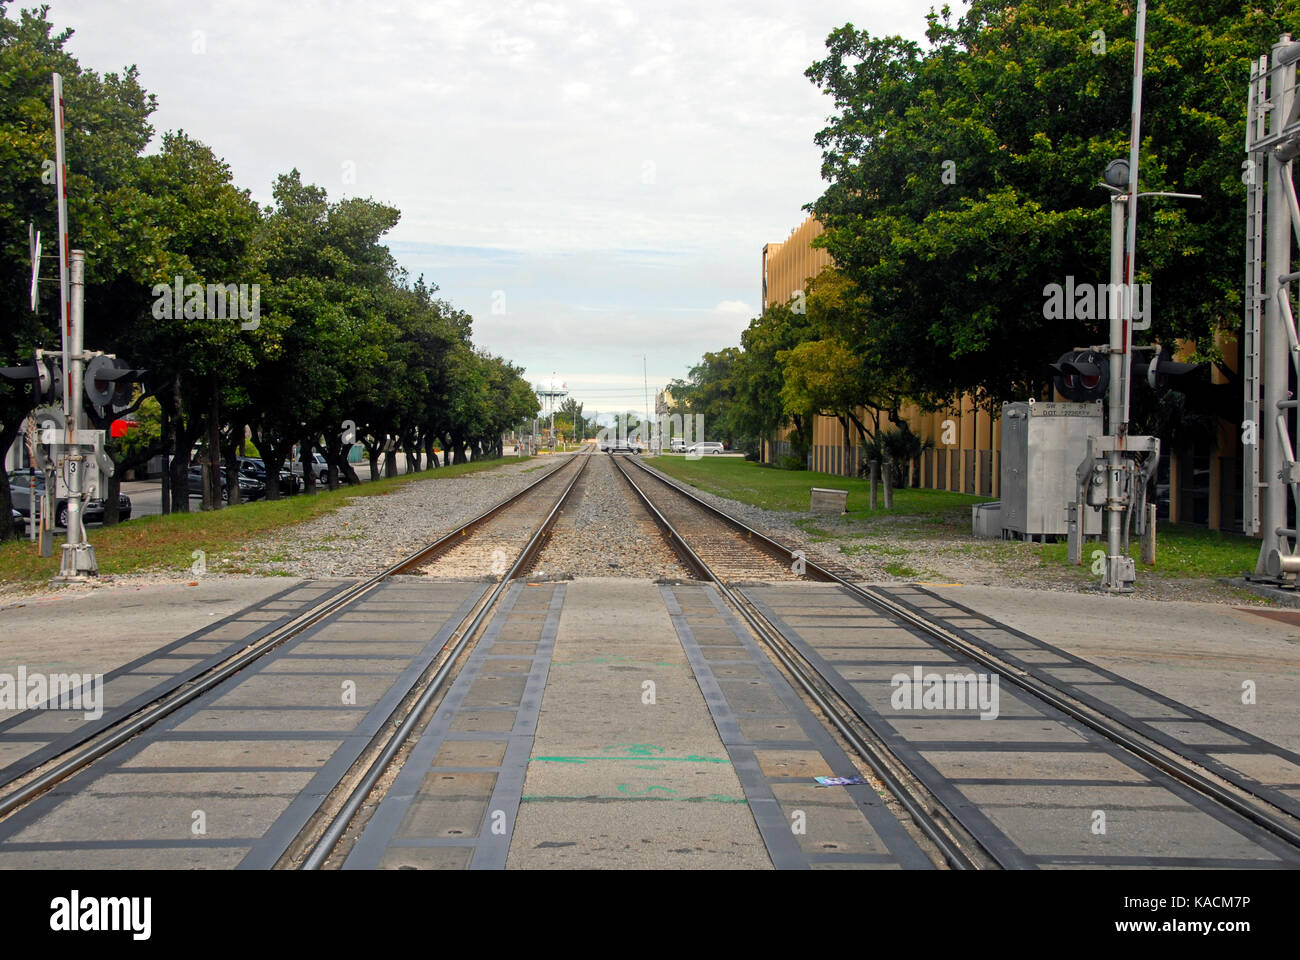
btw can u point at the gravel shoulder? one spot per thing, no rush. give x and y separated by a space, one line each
359 539
372 533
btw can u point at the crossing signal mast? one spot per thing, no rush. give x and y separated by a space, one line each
71 456
1119 465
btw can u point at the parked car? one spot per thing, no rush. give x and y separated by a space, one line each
20 523
256 468
617 444
319 467
27 482
706 446
250 488
676 445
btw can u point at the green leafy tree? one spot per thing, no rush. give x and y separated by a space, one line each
963 178
327 275
711 391
821 376
108 116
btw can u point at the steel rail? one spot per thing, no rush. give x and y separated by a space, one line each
1051 695
172 700
1113 730
952 852
339 822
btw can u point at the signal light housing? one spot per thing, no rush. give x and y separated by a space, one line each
1081 376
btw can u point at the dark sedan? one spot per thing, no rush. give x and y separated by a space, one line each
250 488
256 468
22 484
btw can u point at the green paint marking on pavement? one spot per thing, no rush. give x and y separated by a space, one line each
638 749
599 660
657 759
560 798
627 788
632 751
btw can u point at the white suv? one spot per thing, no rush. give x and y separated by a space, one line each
705 446
319 467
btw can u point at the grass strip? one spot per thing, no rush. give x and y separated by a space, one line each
169 542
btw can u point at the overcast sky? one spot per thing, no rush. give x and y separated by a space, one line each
593 181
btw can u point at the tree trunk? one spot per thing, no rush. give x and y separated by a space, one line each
847 468
232 473
7 436
180 475
308 468
274 454
183 435
390 458
166 455
411 447
112 509
336 454
212 498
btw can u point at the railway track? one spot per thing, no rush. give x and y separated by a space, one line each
711 545
1068 741
846 643
515 527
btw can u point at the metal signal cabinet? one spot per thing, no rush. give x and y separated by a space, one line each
1042 447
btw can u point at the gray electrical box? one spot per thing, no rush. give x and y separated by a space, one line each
1042 446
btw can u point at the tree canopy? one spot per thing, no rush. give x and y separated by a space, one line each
329 340
963 180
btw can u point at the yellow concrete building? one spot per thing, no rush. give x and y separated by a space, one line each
1199 485
788 266
967 463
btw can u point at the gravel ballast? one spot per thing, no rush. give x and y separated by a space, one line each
605 531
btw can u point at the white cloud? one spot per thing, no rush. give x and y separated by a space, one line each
734 306
632 157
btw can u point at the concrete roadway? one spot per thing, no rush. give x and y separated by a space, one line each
643 728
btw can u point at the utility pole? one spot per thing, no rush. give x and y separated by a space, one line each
78 559
1112 462
649 414
79 454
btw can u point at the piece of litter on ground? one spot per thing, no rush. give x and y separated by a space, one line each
838 781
